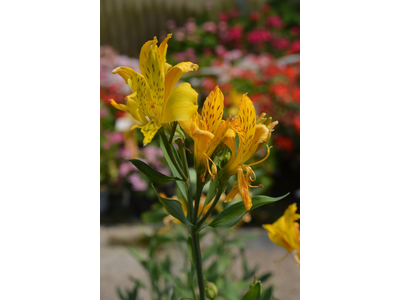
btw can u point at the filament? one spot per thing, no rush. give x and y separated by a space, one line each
260 161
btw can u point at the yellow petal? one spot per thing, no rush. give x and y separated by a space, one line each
167 67
201 139
175 73
144 54
134 108
229 140
119 106
213 109
181 104
244 189
261 137
133 127
163 51
218 136
285 231
188 126
232 194
138 84
276 237
247 119
149 131
291 226
153 71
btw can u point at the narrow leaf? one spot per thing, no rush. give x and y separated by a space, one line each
174 208
150 173
232 214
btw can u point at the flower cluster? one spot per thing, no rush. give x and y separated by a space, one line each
272 84
156 101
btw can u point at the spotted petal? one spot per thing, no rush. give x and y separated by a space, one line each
213 109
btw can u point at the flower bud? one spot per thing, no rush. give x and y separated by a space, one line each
257 283
211 289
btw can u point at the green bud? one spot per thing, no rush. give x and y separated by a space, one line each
211 290
258 283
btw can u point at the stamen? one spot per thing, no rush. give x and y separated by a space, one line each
262 159
281 259
212 174
256 186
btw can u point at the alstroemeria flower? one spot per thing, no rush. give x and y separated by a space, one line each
207 131
285 232
253 135
155 99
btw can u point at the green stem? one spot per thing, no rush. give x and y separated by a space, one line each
221 189
173 132
198 262
199 191
182 153
171 155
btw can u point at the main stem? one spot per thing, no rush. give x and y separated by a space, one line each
192 209
198 262
194 229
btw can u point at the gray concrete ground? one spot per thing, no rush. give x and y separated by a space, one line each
117 264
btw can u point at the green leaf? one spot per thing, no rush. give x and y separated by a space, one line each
267 294
232 214
150 173
174 208
254 293
180 184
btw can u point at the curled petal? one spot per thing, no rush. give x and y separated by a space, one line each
244 189
119 106
232 194
181 104
175 73
163 52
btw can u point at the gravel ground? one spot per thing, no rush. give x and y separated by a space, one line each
117 264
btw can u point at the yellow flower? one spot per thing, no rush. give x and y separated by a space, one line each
155 99
207 131
285 232
253 135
